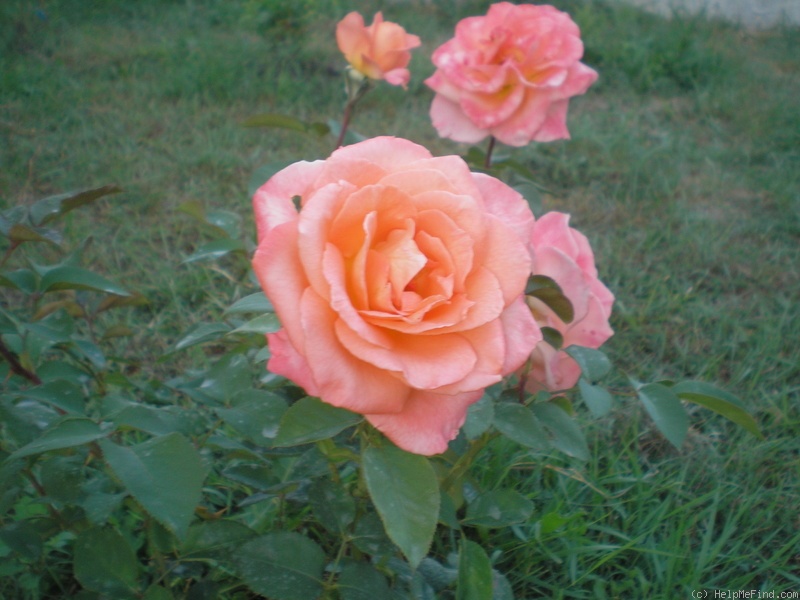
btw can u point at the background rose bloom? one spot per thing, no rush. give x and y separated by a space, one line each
509 74
398 284
380 51
563 254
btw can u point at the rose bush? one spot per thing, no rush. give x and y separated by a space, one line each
380 51
509 74
563 254
399 284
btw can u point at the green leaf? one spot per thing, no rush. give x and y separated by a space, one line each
68 432
20 233
156 592
286 122
55 328
333 506
59 393
256 476
362 581
598 399
22 279
24 538
104 562
719 401
518 423
370 537
100 498
350 137
201 333
215 249
116 331
553 337
474 573
164 474
47 209
532 192
262 324
567 436
76 278
255 303
499 508
310 419
437 575
255 413
112 301
152 420
547 291
666 410
282 566
405 491
215 539
594 364
480 417
62 478
501 588
91 351
225 222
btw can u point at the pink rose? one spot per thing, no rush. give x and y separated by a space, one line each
399 284
563 254
509 74
380 51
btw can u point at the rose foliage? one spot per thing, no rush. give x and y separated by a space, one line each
407 298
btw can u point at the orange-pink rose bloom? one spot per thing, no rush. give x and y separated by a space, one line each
380 51
563 254
399 284
509 74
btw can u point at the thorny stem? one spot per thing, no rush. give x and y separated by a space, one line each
348 109
488 162
465 461
9 251
523 379
16 366
54 512
356 85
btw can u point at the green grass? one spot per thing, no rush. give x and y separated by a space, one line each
683 170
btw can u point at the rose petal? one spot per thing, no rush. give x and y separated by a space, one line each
342 379
277 266
506 204
425 362
287 361
272 202
428 421
451 122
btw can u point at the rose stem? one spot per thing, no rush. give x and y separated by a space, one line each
348 109
16 366
489 150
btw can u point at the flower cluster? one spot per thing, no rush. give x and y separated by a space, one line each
509 74
400 278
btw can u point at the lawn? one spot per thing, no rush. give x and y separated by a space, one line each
683 170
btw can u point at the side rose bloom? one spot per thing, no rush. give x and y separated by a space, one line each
509 74
563 254
399 285
380 51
